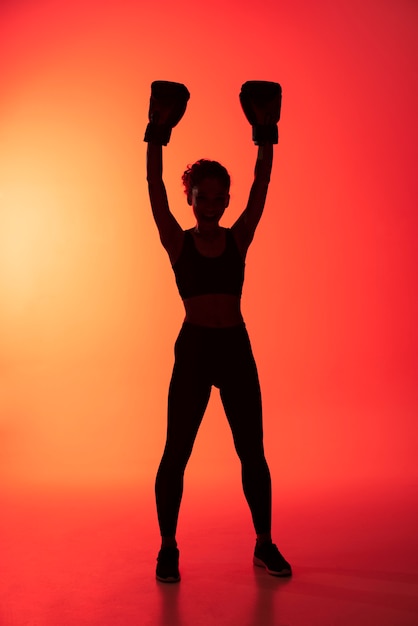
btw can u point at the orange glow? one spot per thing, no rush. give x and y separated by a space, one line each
89 310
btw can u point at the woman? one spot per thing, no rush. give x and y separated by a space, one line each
213 347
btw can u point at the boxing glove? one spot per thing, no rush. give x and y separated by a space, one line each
167 105
261 102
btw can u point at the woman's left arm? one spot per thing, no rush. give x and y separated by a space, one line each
244 227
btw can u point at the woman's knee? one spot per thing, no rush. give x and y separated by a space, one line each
174 459
251 454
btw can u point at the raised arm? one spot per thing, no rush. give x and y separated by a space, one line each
244 227
167 106
171 233
261 103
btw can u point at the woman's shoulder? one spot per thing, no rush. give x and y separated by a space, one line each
240 239
176 247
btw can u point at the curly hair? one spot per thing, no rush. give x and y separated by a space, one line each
204 168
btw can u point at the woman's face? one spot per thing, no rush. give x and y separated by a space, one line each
209 200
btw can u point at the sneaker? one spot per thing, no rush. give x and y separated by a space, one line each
268 556
168 565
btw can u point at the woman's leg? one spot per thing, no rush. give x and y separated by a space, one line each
187 401
241 397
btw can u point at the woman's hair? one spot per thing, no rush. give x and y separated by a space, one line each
204 168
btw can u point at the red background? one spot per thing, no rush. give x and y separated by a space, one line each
89 310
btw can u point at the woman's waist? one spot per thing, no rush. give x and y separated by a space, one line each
216 310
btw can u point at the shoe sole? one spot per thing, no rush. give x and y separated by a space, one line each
281 573
170 579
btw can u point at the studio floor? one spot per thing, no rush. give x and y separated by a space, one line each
88 559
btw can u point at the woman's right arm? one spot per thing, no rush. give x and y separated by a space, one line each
168 103
171 233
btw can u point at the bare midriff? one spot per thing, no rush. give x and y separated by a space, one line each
216 310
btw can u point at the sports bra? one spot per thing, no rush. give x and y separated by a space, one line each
198 275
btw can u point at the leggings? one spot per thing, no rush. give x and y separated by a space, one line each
221 357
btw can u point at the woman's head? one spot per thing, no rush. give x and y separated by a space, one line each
206 184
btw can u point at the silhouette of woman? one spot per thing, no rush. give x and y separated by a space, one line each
213 347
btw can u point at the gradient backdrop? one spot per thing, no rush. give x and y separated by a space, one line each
88 305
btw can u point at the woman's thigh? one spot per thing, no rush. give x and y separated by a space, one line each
189 394
241 396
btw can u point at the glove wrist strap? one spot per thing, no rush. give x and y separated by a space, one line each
263 134
158 133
